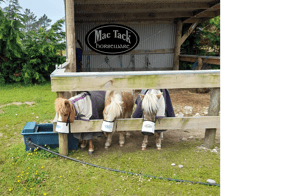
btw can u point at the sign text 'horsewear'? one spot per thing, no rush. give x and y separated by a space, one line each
112 39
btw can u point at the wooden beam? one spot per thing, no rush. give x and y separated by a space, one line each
70 24
185 36
213 110
158 51
142 7
148 2
135 124
126 22
208 13
177 45
192 58
131 16
94 81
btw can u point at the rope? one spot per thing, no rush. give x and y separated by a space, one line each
116 170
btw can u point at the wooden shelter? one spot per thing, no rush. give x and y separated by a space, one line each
146 17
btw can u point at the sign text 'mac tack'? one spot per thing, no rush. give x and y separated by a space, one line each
99 35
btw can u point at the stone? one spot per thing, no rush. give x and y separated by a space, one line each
180 166
191 137
197 115
183 139
173 164
211 181
180 115
214 150
188 110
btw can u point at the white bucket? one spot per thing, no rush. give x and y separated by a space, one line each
107 126
148 127
62 127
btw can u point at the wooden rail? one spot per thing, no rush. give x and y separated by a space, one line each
192 58
135 124
93 81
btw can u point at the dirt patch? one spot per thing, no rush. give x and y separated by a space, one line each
30 103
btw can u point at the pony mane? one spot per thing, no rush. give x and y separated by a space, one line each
150 102
60 106
115 108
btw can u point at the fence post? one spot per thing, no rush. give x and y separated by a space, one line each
62 137
177 45
213 110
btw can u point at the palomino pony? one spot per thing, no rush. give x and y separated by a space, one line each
118 104
153 104
85 106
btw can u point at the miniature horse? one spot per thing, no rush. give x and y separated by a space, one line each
85 106
153 106
118 104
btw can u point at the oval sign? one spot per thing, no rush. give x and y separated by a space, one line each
112 39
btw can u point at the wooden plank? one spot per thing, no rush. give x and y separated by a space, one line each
193 58
120 8
148 2
185 36
131 16
93 81
158 51
135 124
126 22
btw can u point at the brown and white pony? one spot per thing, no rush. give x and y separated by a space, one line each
153 106
118 104
86 107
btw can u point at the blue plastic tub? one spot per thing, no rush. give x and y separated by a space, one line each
42 134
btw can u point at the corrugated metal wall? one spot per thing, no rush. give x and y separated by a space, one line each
152 37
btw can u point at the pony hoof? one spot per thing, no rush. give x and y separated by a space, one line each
143 149
158 148
121 145
91 152
81 148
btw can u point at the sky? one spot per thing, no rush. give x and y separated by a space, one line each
54 9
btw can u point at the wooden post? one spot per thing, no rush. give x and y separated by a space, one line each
177 45
70 24
200 63
62 137
71 44
213 110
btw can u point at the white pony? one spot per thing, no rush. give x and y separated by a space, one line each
153 105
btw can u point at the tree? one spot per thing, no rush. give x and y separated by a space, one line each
13 10
204 41
41 53
29 20
11 49
43 22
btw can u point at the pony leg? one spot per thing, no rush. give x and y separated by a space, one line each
162 135
145 142
91 146
158 141
108 140
83 144
121 138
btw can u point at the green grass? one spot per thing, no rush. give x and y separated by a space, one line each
23 173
